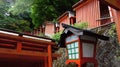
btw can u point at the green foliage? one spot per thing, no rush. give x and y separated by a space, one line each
56 36
20 22
31 12
112 31
3 6
20 6
13 24
81 25
42 10
41 34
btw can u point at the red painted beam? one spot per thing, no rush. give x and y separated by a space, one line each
24 39
49 56
113 3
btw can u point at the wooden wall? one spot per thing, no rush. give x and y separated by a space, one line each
65 19
49 29
88 12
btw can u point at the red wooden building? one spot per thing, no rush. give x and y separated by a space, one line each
49 28
39 30
115 4
94 12
67 18
98 12
23 50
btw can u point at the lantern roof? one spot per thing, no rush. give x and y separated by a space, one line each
69 30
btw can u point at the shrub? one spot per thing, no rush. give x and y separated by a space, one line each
56 37
81 25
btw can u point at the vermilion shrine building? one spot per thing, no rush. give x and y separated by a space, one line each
23 50
94 12
17 49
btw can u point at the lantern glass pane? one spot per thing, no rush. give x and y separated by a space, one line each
76 44
73 56
70 56
69 51
68 46
73 50
72 45
76 50
77 56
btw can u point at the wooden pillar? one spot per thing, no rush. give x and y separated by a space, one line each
79 65
45 62
117 21
19 46
49 56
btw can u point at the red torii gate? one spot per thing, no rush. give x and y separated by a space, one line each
16 46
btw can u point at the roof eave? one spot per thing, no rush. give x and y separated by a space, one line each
66 13
87 32
78 3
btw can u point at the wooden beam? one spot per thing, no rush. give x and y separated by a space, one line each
117 21
26 53
24 39
7 41
49 56
113 3
33 44
45 62
7 45
80 4
22 53
32 48
55 55
19 46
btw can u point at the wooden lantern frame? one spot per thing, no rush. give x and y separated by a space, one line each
69 31
81 60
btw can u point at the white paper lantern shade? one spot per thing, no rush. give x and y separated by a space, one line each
88 49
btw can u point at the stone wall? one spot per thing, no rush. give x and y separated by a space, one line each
108 52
